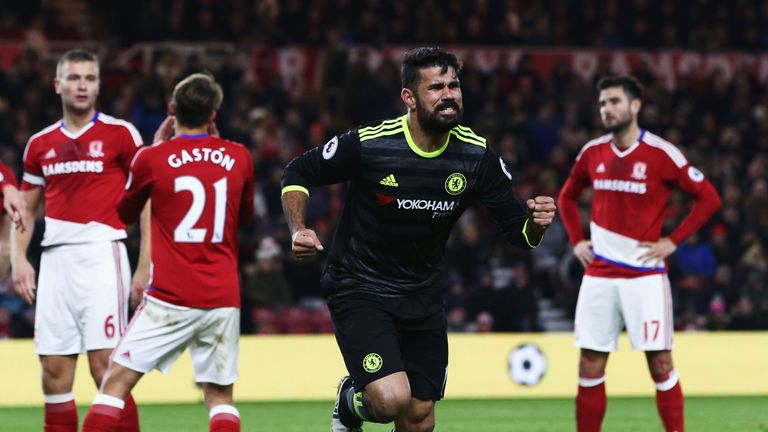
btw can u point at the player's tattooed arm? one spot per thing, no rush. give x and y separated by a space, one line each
304 241
294 205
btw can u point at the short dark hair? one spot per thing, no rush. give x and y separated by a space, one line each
75 56
195 98
632 87
425 57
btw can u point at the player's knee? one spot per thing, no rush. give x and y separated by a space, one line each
385 404
52 376
659 363
98 372
55 371
98 369
592 363
57 377
420 414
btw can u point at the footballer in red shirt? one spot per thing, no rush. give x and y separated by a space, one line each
632 173
79 165
201 189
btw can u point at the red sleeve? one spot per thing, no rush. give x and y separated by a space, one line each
7 176
33 173
131 143
692 181
246 204
568 201
140 180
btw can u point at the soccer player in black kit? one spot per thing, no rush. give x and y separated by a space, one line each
410 178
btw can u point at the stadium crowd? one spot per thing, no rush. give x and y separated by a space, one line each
698 24
538 123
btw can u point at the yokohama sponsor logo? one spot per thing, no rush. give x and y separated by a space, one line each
420 204
69 167
620 186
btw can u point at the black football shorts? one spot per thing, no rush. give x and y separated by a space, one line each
376 343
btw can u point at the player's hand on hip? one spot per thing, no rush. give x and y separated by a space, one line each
658 250
542 210
165 131
583 252
305 244
139 285
23 276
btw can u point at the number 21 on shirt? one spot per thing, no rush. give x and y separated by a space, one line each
185 231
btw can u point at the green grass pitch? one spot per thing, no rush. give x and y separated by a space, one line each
715 414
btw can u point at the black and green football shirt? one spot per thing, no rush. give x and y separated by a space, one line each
402 204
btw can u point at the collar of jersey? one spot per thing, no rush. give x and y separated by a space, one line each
621 153
85 128
415 148
202 135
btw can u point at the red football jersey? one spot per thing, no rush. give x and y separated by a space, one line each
630 189
7 177
83 174
201 189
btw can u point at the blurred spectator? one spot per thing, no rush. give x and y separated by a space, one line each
265 284
483 323
695 269
457 319
743 316
515 305
481 298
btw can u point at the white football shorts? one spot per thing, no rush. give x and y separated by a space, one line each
159 332
643 305
82 298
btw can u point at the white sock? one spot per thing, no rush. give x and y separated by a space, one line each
59 398
224 409
669 382
591 382
104 399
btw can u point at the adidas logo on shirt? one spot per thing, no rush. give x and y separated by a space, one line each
50 155
389 181
600 168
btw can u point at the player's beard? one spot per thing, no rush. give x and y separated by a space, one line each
621 125
431 121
